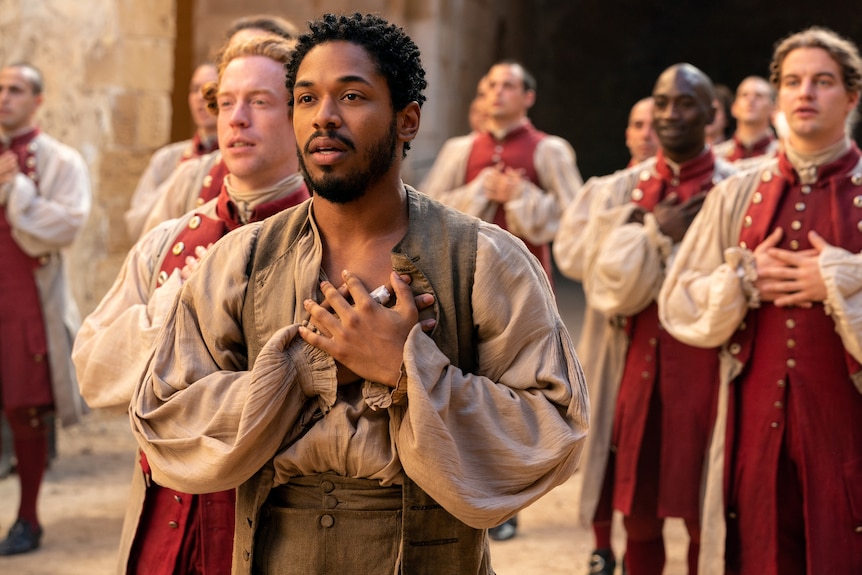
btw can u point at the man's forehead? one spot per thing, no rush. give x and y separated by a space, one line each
811 59
340 57
679 81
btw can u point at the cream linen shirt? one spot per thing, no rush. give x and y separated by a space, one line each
483 445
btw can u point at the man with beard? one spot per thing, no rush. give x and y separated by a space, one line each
512 174
360 443
652 395
167 531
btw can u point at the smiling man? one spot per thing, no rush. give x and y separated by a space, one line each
645 385
360 443
770 272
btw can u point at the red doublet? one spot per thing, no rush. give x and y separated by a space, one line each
758 148
178 530
676 422
794 412
516 150
25 378
212 183
199 148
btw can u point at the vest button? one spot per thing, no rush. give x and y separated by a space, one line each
747 222
790 324
644 175
173 524
856 179
178 248
791 363
327 521
735 348
327 486
178 499
794 245
163 277
766 176
637 194
806 189
774 425
796 225
857 201
780 383
799 206
756 198
208 181
195 222
743 245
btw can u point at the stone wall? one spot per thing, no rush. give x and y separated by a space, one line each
113 68
108 67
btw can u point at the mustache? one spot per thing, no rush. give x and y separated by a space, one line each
330 135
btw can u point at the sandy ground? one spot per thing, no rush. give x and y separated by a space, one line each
83 500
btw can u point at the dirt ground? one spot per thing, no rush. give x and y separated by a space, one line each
84 495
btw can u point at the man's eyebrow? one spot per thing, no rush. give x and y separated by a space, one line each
349 79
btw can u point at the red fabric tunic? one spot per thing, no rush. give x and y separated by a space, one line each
795 423
516 150
212 183
758 148
666 401
25 376
179 532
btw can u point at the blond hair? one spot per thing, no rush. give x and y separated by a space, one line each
267 45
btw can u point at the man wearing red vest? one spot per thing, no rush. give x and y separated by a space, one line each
510 174
651 396
752 109
770 272
44 202
166 531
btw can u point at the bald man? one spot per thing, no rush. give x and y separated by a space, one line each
651 395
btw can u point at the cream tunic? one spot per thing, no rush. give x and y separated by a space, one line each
535 215
707 293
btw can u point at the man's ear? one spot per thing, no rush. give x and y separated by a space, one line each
408 122
530 99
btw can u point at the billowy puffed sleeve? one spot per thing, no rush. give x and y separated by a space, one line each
624 261
535 214
159 169
487 444
47 218
571 241
114 342
205 421
709 286
842 272
445 180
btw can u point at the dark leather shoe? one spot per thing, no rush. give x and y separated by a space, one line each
22 538
505 530
602 562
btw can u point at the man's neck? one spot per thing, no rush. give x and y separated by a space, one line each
680 158
381 211
15 132
749 134
502 126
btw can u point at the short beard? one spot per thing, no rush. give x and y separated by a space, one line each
353 185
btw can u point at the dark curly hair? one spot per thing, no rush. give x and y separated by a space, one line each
396 55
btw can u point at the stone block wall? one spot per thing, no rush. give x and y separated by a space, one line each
108 67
